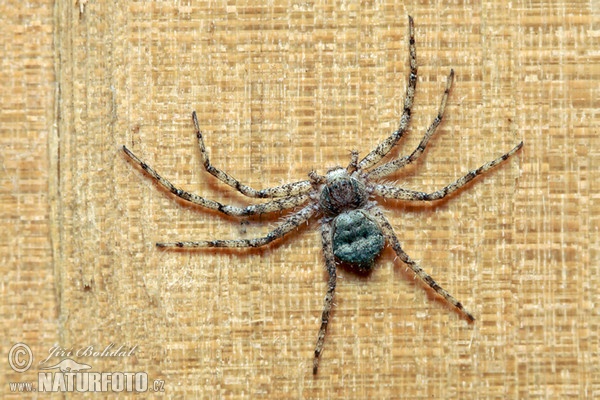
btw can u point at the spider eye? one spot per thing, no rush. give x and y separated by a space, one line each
357 239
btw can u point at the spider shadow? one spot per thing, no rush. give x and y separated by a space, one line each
428 207
257 224
424 205
359 274
267 219
364 275
240 252
417 284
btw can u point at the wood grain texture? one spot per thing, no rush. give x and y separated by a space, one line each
281 89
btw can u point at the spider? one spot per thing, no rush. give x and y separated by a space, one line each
354 230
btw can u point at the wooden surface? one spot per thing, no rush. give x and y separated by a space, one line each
281 89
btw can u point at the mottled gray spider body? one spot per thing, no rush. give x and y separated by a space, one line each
353 228
356 238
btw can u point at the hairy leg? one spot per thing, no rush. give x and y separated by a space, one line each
391 238
384 147
271 206
392 192
287 190
327 238
289 224
393 166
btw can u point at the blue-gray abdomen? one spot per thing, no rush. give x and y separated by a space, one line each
357 239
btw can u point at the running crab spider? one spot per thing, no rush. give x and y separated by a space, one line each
354 231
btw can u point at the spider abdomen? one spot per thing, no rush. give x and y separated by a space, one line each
357 239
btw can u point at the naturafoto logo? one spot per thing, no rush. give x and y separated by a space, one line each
73 380
62 371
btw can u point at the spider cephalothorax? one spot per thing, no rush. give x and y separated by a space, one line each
341 192
353 228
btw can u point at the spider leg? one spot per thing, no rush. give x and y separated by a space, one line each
327 239
393 166
289 189
384 147
391 238
289 224
275 205
392 192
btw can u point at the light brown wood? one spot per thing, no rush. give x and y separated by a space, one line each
281 89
